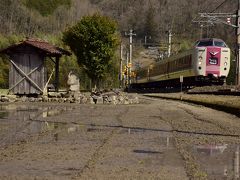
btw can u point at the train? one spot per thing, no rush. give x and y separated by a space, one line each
207 63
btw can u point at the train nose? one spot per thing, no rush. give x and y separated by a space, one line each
213 61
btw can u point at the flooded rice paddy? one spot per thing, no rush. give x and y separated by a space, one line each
101 142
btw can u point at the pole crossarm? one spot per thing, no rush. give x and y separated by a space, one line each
215 18
218 15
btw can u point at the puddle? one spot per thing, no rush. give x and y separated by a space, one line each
218 161
18 121
41 127
211 150
52 112
24 112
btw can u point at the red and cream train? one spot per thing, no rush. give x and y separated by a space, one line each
208 62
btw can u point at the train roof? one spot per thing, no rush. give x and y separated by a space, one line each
211 39
210 42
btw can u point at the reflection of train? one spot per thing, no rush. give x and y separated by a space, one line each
207 63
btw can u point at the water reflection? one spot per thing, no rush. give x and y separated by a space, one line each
51 112
218 161
211 149
20 120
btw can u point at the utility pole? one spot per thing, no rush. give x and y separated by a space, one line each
127 75
169 42
121 66
238 46
131 34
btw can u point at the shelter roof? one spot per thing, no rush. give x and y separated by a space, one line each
49 49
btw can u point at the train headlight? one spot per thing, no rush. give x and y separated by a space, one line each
200 60
225 64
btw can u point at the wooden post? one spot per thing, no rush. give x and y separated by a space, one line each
57 74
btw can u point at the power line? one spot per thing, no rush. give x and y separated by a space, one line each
197 18
219 6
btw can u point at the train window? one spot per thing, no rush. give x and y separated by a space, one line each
220 43
205 43
211 42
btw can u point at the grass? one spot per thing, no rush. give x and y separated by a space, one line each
3 91
228 104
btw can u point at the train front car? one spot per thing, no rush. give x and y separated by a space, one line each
212 63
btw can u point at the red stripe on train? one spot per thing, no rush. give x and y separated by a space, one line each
213 61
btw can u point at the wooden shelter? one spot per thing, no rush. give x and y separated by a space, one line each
27 74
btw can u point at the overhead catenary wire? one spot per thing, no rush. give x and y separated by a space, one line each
219 6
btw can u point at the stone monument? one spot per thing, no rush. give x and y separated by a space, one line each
74 85
73 82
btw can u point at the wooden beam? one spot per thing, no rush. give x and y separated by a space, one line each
52 60
45 87
57 73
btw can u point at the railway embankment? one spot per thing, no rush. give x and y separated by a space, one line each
229 104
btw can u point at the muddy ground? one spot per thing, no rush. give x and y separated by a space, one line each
156 139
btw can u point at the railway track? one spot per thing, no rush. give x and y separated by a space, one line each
226 92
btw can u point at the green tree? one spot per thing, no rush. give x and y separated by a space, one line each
94 41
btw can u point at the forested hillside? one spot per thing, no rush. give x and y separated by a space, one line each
146 17
49 18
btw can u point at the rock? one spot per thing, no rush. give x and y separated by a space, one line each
4 99
72 100
55 94
126 101
31 99
91 101
60 100
24 99
109 99
105 99
120 99
99 100
39 99
44 98
76 94
95 98
136 100
83 100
